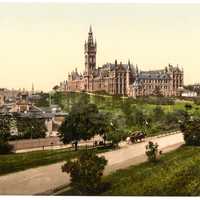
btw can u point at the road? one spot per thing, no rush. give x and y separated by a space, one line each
46 178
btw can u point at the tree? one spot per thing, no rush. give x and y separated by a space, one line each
83 122
188 106
42 100
86 172
31 127
56 87
114 136
5 129
191 131
181 115
152 151
5 147
138 117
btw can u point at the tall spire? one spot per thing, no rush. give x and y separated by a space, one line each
90 36
32 89
90 30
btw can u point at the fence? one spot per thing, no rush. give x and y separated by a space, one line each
47 143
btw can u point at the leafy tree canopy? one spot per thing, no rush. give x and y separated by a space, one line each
191 131
31 127
86 173
83 122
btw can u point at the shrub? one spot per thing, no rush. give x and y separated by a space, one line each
86 172
188 106
5 147
152 151
115 137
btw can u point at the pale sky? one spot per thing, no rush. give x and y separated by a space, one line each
41 43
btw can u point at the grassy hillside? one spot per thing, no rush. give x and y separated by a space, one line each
177 173
132 114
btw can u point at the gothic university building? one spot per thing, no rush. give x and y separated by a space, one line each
123 79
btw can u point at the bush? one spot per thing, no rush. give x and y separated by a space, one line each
5 147
191 131
152 151
86 172
188 106
115 137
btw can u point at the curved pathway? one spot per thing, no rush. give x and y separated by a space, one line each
43 180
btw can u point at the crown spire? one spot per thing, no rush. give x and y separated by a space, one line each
90 36
90 30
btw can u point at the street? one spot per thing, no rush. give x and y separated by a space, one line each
46 178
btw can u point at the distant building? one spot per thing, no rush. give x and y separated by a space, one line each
122 79
188 93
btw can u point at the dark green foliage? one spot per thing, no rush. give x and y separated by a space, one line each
56 87
43 101
139 117
83 122
188 106
5 147
114 136
5 129
86 172
131 114
152 151
181 115
30 128
57 98
191 131
173 119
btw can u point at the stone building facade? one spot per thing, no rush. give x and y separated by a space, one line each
122 79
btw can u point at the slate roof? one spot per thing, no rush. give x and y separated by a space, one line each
153 76
112 66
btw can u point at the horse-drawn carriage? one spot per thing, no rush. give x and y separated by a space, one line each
137 136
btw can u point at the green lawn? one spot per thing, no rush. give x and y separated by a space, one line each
117 108
21 161
176 174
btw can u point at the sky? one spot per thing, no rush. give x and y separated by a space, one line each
41 43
